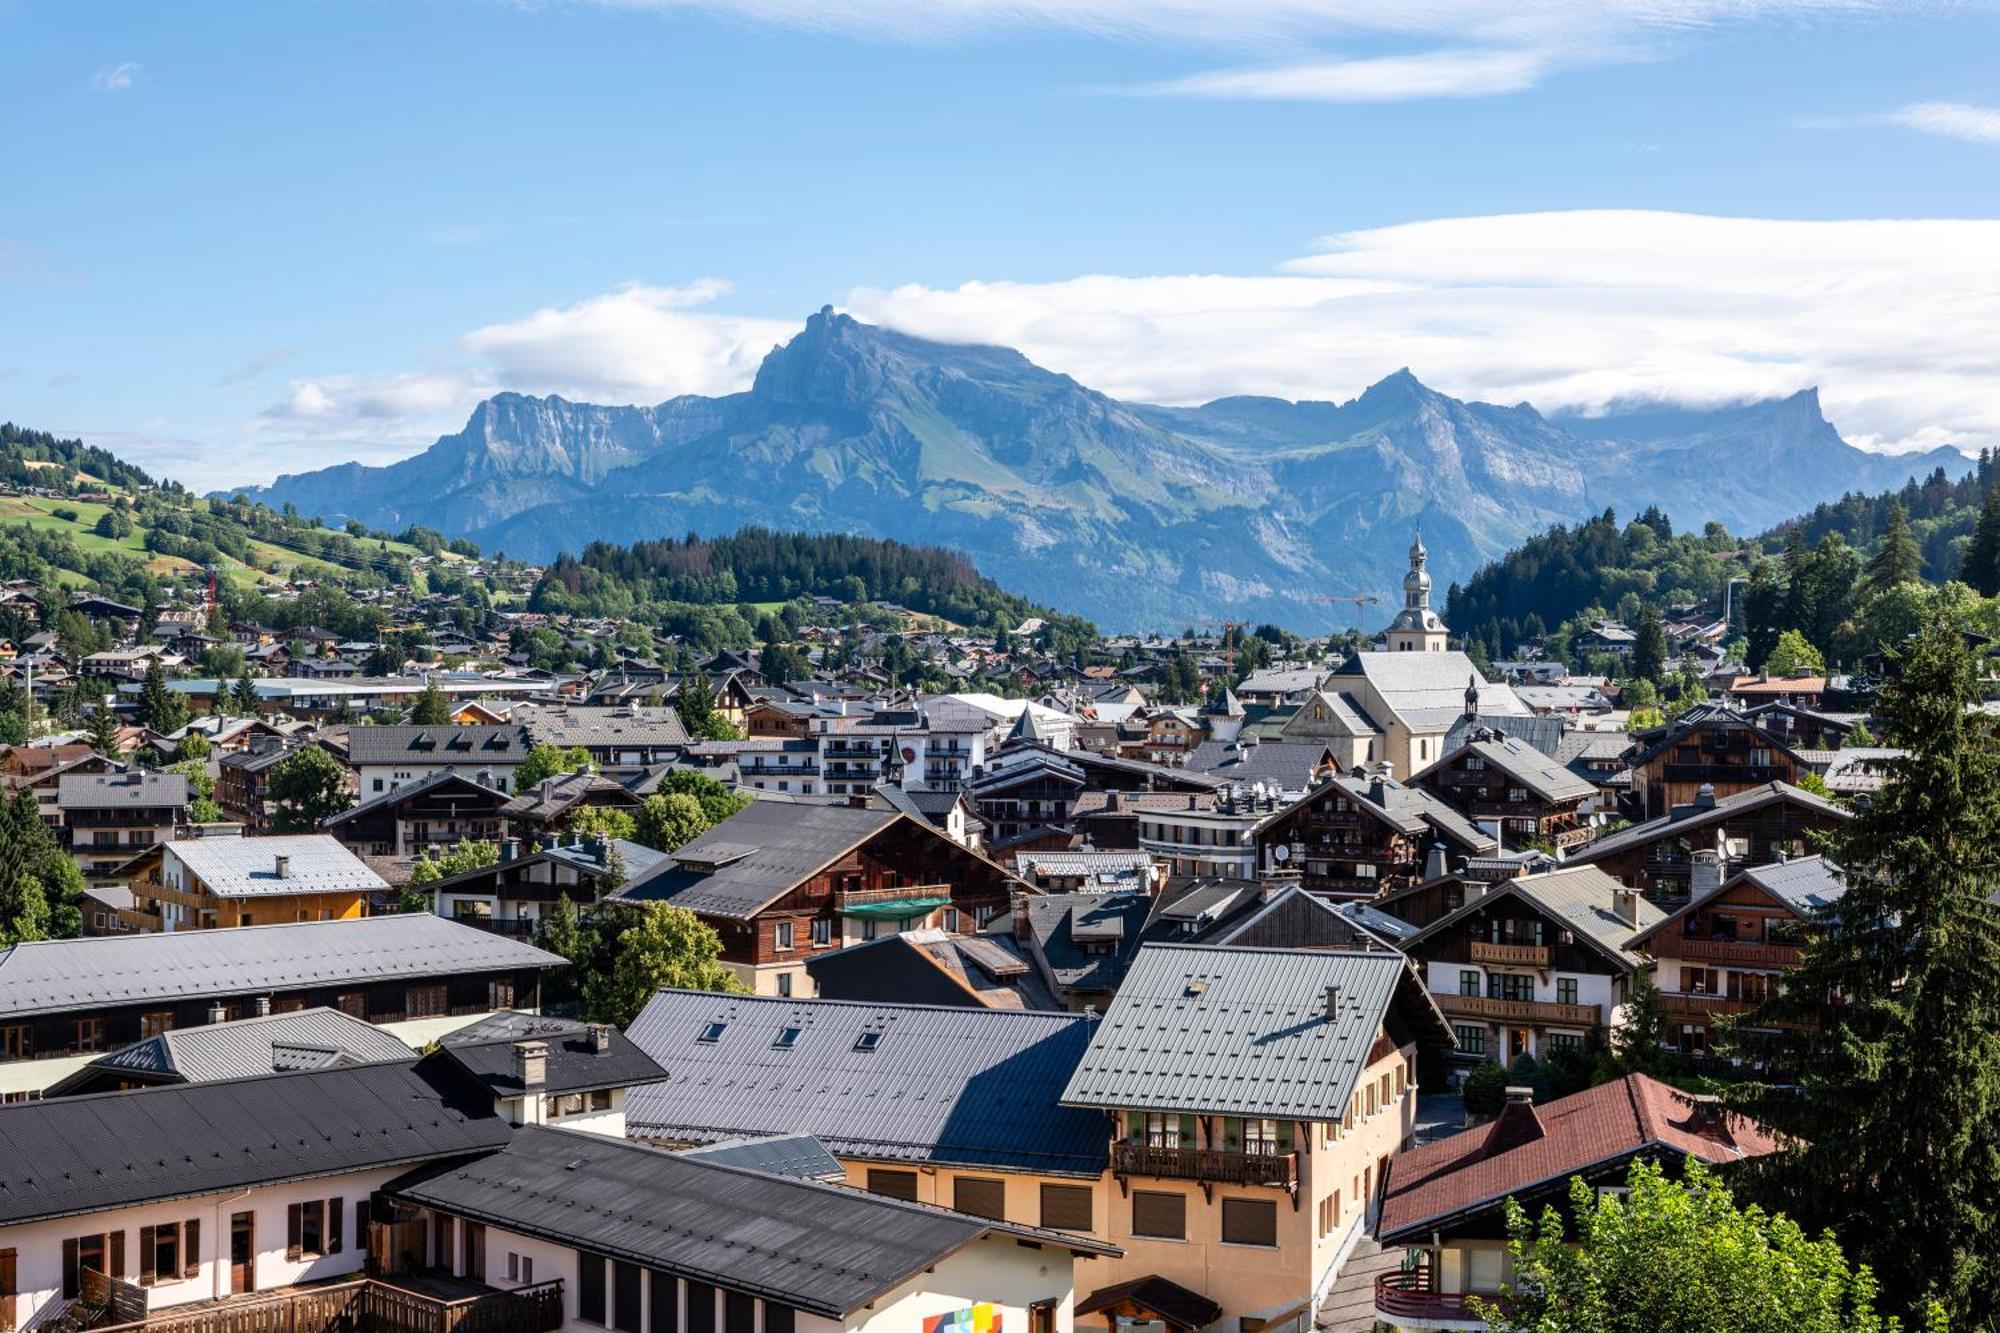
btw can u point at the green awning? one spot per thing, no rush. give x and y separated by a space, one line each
901 907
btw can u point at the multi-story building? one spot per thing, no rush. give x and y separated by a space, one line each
109 817
385 758
1711 746
424 814
1509 786
1360 836
1534 963
1754 827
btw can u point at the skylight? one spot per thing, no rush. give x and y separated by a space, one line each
712 1033
868 1041
787 1038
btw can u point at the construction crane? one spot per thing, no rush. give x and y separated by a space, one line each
1356 600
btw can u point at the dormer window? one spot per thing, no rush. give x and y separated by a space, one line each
712 1033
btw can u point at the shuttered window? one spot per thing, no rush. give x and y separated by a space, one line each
895 1184
982 1196
663 1303
739 1313
1157 1213
590 1288
191 1248
336 1224
1249 1222
701 1308
626 1282
1066 1207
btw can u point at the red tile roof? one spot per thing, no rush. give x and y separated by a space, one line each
1441 1180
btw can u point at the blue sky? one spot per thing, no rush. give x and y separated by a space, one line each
245 238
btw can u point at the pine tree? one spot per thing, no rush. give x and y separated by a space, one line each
102 727
1897 558
1889 1030
1649 646
159 707
431 709
245 695
1981 565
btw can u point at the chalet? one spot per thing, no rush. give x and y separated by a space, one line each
1753 827
1362 835
1197 833
1728 949
1534 963
63 1002
1710 745
1243 1165
425 814
511 895
945 809
1801 689
1515 789
983 971
543 811
1446 1201
41 769
243 781
621 737
1026 789
1804 728
385 758
110 816
782 881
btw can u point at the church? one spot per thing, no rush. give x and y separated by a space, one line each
1402 702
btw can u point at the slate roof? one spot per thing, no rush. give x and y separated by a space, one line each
121 791
1244 1032
70 1155
957 1086
605 728
1547 779
1411 809
1807 884
98 972
825 1249
1432 1186
739 867
485 1050
799 1155
468 747
1681 819
248 867
1056 919
1289 765
1578 898
304 1039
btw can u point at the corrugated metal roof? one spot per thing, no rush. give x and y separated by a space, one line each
757 855
57 976
1243 1032
825 1249
965 1086
251 1046
81 1154
798 1155
248 867
467 747
1679 820
486 1051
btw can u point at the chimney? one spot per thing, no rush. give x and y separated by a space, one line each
284 867
600 1038
1625 902
217 1013
531 1063
1516 1124
509 849
1704 872
1020 915
1333 1004
1110 800
261 1006
1434 864
1704 796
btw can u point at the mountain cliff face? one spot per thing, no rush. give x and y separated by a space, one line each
1137 516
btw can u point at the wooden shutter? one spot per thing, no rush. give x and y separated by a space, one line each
982 1196
147 1252
894 1184
7 1280
1066 1207
739 1312
627 1280
336 1223
72 1280
1158 1213
294 1230
663 1303
701 1308
191 1248
590 1288
1249 1222
779 1318
117 1250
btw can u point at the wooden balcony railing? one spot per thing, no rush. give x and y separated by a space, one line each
1675 1004
1521 1011
1408 1296
1206 1164
1743 953
1514 955
363 1305
846 898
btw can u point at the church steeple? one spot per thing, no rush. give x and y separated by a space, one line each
1416 627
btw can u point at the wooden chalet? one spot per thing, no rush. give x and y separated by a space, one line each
1691 848
1360 836
1510 785
429 814
1711 745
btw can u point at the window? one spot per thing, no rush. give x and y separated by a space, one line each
353 1003
868 928
500 994
1563 1041
868 1040
782 935
739 1313
1042 1317
87 1034
1508 986
1260 1137
17 1041
787 1038
712 1033
822 931
105 1254
600 1099
1565 990
894 1184
1468 981
336 1215
1168 1131
168 1252
1249 1222
424 1001
950 918
305 1230
590 1288
701 1308
785 985
153 1024
663 1302
982 1196
1159 1214
626 1283
1066 1207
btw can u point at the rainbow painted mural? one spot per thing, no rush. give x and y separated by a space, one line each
981 1318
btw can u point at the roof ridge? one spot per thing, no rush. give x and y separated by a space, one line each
900 1006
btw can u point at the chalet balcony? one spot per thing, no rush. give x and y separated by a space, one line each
1490 1009
1213 1166
851 750
1749 775
1407 1300
1510 955
907 900
1683 1007
415 1303
1737 953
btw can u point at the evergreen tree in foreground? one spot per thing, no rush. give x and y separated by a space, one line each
1891 1024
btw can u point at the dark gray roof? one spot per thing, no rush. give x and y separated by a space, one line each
1289 764
117 791
1577 898
1055 920
1543 732
1684 818
799 1155
825 1249
304 1039
423 786
1241 1031
740 866
97 972
968 1087
1809 884
468 747
605 728
1534 769
80 1154
486 1051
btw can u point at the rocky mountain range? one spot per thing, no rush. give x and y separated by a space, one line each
1138 516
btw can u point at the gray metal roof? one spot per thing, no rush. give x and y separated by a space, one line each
1240 1032
964 1086
486 1051
604 728
120 791
1809 884
1684 818
1059 923
1540 773
1579 898
799 1155
1288 764
248 867
97 972
825 1249
304 1039
80 1154
469 747
740 866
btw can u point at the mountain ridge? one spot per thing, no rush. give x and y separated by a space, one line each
1137 515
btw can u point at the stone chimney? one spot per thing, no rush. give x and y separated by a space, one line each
1625 902
261 1006
531 1063
1333 1004
283 865
1704 872
1517 1124
600 1038
217 1013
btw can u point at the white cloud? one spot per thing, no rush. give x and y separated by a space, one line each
1952 120
1376 79
1895 320
116 79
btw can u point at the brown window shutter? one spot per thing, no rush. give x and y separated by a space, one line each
71 1278
294 1225
191 1248
982 1196
145 1256
8 1281
336 1222
118 1269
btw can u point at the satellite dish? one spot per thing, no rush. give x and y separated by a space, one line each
1281 853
